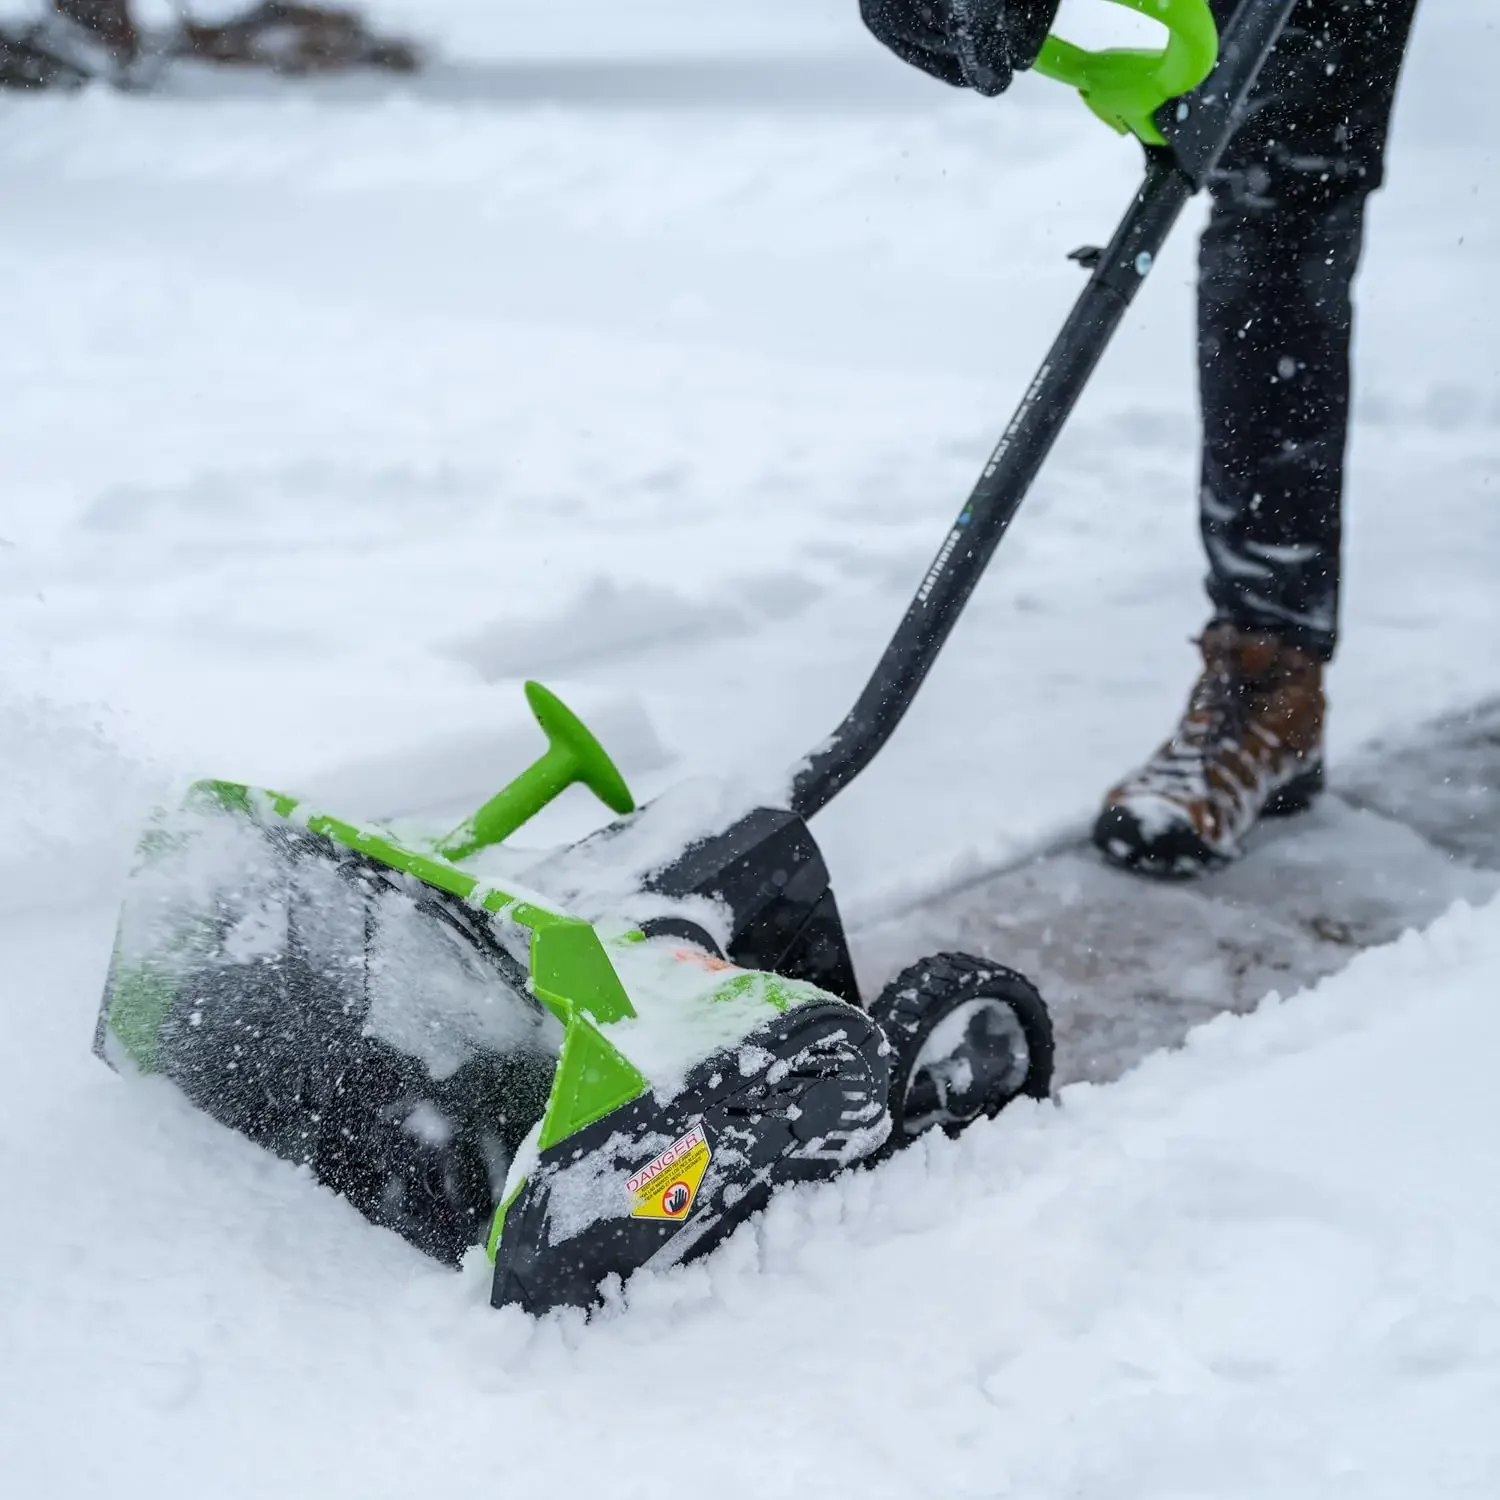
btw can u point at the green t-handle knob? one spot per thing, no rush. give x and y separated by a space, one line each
573 754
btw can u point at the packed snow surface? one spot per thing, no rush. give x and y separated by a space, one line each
650 350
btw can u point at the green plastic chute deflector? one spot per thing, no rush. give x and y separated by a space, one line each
573 755
1125 86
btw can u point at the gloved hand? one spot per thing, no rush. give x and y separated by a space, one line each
975 44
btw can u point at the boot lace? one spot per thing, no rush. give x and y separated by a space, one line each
1217 714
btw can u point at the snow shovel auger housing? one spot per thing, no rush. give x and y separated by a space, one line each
430 1044
466 1062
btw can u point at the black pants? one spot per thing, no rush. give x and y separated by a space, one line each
1274 314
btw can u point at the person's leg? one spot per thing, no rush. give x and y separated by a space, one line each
1277 261
1274 317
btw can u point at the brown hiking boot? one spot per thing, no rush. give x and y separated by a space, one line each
1250 744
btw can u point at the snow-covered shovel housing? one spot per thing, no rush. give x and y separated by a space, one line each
468 1064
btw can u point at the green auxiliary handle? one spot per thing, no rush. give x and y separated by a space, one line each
573 755
1125 86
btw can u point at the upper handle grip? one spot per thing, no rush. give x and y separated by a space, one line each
1125 86
573 755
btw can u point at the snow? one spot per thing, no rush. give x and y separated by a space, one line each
690 1009
1265 1264
653 355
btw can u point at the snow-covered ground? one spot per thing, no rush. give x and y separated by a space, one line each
1263 1266
325 418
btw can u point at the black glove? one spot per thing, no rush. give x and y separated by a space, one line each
975 44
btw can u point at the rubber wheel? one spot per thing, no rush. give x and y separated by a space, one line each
968 1036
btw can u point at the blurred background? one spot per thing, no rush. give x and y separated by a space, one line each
357 366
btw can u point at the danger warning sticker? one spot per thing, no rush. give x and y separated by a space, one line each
666 1187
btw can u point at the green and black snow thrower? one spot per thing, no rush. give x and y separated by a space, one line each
469 1062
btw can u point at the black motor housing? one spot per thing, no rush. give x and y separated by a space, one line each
768 870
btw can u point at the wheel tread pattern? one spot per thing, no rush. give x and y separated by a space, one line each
919 997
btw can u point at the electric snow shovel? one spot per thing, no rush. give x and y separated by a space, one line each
468 1062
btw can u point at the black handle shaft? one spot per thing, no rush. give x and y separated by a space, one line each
1199 126
997 496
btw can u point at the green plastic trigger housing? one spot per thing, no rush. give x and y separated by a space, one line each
1126 86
